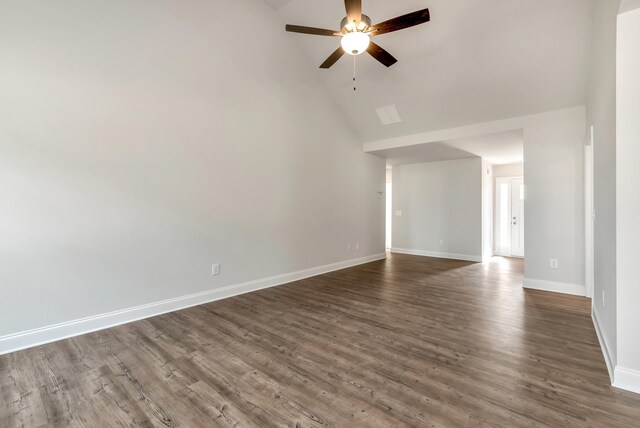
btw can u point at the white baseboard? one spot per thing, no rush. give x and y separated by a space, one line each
621 377
437 254
556 287
609 358
627 379
39 336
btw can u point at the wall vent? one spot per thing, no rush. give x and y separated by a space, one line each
388 115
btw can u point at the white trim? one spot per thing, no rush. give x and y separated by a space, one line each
628 379
40 336
589 220
621 377
556 287
604 345
437 254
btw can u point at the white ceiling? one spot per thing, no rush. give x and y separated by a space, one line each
429 152
499 149
276 3
476 61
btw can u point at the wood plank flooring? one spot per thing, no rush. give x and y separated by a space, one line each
408 341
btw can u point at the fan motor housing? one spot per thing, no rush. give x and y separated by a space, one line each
365 19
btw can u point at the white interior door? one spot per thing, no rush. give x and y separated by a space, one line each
517 217
509 216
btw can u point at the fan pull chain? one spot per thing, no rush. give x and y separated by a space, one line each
354 72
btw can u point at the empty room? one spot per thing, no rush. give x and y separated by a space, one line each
304 213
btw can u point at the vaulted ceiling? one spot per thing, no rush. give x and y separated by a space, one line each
477 60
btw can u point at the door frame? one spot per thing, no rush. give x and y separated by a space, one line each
496 223
517 200
589 212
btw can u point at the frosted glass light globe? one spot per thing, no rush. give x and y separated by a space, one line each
355 43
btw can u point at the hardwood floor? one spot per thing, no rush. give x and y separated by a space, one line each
409 341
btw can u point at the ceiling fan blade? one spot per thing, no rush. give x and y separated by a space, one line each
333 58
354 10
381 55
402 22
309 30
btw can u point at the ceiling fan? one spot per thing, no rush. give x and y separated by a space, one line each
356 32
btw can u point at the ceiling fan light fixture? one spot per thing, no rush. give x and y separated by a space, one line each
356 32
355 43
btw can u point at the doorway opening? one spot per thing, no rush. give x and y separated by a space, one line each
509 216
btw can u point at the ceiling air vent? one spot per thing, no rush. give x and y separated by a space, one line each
388 114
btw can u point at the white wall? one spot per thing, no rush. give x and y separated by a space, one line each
142 141
601 114
439 201
554 201
627 373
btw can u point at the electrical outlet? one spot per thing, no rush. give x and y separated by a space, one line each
349 247
398 213
553 263
215 269
442 242
357 245
603 298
